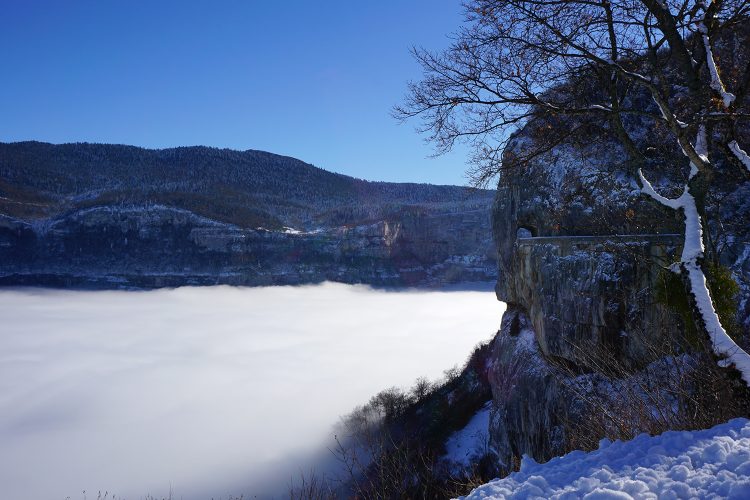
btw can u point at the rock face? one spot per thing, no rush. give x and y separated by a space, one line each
591 291
147 247
529 405
568 255
581 254
86 215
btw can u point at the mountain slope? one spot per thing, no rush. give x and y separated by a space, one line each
112 215
234 183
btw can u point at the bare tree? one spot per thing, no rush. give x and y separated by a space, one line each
421 389
588 61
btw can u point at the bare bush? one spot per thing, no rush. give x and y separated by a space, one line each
311 486
683 389
421 388
392 447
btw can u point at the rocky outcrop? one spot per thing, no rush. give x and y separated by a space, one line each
581 257
580 251
529 404
588 292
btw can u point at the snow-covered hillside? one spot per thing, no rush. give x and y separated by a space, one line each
713 463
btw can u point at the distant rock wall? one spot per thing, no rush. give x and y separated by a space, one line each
156 246
103 215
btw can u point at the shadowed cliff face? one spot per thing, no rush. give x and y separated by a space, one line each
575 283
580 250
584 186
581 254
593 293
529 404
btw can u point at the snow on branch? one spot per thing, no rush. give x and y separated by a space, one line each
723 345
716 82
740 154
693 246
649 190
701 149
667 114
692 253
701 143
692 249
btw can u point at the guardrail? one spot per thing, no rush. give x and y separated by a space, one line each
614 238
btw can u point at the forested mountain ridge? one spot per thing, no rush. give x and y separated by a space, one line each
247 188
113 215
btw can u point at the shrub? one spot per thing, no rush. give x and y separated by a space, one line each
684 389
672 293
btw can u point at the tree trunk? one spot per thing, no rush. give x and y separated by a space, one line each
692 264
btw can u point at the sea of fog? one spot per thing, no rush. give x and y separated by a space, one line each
211 391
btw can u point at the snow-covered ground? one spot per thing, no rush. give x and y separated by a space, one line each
713 463
213 391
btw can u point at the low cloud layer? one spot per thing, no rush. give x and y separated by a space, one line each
204 388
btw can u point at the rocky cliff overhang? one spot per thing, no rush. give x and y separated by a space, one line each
588 292
582 255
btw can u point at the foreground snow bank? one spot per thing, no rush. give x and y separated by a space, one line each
713 463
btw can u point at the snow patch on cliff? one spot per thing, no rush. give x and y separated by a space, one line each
467 445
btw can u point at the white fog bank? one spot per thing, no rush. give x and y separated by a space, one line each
200 388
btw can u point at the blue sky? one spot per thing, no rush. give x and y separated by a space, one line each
313 80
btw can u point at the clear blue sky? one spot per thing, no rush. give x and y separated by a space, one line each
313 80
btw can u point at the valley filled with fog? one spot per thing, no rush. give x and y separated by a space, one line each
206 390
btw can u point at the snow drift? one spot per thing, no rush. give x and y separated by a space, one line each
713 463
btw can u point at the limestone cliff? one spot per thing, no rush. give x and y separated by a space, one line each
581 256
